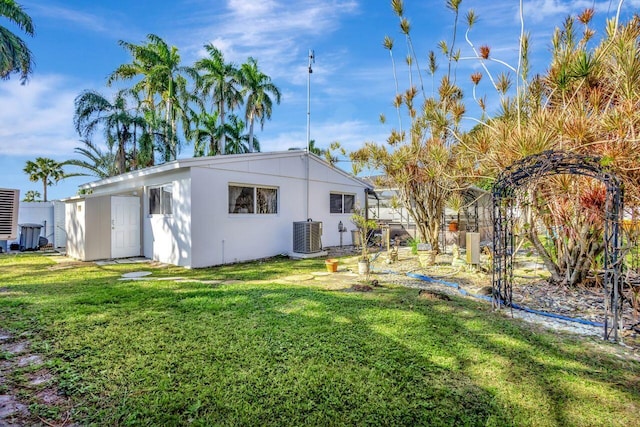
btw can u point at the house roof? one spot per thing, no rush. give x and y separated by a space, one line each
213 161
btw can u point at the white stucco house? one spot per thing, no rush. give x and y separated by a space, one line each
206 211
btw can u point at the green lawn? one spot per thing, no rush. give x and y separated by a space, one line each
253 352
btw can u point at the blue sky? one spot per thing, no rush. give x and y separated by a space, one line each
76 47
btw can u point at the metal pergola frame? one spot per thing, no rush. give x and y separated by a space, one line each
520 176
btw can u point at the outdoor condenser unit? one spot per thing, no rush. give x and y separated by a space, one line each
9 213
307 237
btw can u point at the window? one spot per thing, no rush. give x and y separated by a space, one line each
161 200
249 199
341 203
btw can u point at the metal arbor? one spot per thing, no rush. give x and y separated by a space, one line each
505 197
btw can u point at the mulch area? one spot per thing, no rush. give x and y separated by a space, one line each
529 289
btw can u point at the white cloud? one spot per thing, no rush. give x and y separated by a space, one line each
37 118
251 8
74 17
272 31
540 11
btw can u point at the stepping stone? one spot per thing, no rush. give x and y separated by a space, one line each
135 274
16 347
10 407
298 278
320 273
131 260
32 359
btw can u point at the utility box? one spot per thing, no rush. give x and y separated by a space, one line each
9 199
473 248
307 237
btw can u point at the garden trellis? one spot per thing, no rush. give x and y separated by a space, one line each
509 189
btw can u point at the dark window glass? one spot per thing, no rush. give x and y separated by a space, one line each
248 200
167 200
161 200
335 201
341 203
154 201
240 199
267 200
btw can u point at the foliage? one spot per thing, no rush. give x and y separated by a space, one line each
121 128
177 352
15 56
46 170
365 226
218 80
422 162
586 103
32 196
257 87
144 119
413 244
97 162
163 85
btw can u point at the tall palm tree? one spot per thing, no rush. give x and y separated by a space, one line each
257 86
15 56
218 79
46 170
163 81
93 110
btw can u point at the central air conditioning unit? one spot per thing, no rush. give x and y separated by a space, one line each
9 200
307 237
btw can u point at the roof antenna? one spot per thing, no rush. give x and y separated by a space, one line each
312 60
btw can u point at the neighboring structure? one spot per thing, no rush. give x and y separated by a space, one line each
473 216
207 211
49 215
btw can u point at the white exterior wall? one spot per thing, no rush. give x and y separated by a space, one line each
200 232
75 228
323 181
167 238
220 237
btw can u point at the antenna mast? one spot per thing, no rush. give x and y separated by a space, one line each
312 60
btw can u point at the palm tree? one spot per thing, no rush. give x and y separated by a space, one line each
15 56
98 163
93 110
219 80
164 85
206 135
46 170
257 86
238 141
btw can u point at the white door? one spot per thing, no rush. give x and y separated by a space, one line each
125 227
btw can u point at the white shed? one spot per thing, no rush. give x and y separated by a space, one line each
207 211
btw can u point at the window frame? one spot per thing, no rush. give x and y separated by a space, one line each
342 202
162 204
254 209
